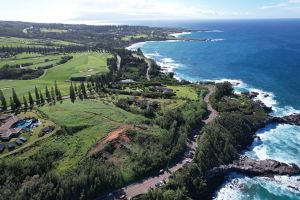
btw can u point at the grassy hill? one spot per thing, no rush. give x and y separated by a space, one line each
82 64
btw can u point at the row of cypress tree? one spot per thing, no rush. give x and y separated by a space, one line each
52 96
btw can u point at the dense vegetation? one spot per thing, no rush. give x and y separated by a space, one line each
219 144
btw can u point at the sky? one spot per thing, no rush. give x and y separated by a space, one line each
121 11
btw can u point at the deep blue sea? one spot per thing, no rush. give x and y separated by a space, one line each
259 55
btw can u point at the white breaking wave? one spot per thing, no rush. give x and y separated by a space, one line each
180 34
211 31
216 40
239 187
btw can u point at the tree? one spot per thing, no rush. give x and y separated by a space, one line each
59 97
90 88
25 103
56 89
12 104
37 96
53 95
42 98
83 90
17 103
75 89
72 93
48 96
223 89
3 101
31 101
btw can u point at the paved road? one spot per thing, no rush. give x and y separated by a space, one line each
148 63
119 60
142 186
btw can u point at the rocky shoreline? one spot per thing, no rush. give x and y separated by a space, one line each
251 167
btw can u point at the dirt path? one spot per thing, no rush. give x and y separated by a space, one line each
148 63
115 134
143 186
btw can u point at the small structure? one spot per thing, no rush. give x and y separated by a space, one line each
11 145
23 139
2 147
47 129
127 81
19 142
163 89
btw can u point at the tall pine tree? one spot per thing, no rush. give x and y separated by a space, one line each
72 93
31 101
37 96
42 98
53 95
3 101
17 103
48 96
83 90
25 103
56 90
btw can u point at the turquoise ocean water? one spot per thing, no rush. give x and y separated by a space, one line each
261 56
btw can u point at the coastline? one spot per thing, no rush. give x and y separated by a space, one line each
268 98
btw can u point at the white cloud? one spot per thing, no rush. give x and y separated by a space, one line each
289 4
112 10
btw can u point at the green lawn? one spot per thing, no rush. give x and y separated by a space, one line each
52 30
185 92
83 64
129 37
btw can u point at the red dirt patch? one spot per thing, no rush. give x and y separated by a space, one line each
117 137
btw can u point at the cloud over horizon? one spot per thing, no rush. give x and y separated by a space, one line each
120 11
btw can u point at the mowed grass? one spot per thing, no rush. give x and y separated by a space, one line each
129 37
101 119
83 64
52 30
185 92
37 59
25 42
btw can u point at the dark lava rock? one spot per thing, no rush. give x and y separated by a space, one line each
252 167
293 119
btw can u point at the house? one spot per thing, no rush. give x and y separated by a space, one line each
2 147
6 130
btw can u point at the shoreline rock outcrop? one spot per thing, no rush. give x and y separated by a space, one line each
251 167
293 119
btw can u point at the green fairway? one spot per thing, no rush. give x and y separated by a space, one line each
37 60
24 42
52 30
83 64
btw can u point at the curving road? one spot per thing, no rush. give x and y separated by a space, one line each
142 186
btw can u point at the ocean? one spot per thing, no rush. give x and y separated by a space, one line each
261 56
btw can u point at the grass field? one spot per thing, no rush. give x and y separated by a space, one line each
185 92
129 37
38 60
52 30
24 42
101 119
83 64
